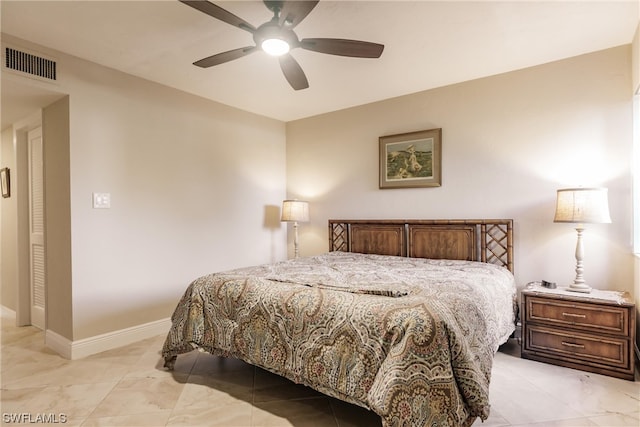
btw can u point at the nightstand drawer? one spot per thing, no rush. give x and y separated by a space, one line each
599 318
589 348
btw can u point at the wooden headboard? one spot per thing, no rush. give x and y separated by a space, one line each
485 240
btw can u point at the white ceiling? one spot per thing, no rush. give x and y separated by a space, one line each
427 44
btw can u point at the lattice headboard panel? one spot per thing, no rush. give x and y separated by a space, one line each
485 240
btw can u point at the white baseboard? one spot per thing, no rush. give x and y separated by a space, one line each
58 343
99 343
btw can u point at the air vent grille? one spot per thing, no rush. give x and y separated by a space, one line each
30 64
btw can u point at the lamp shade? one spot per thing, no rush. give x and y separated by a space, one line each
295 211
582 205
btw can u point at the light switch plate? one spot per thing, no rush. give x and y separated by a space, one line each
101 200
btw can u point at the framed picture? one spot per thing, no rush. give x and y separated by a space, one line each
411 159
5 181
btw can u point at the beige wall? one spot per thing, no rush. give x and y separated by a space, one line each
509 142
195 188
190 181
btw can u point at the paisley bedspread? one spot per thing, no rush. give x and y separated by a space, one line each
411 339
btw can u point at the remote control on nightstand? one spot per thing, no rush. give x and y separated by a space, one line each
550 285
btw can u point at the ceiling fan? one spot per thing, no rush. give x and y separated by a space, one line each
276 37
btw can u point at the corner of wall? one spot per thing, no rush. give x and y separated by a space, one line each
56 133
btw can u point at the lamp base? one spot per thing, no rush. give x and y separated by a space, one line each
578 284
575 287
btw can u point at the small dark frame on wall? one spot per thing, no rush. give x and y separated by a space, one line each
411 160
5 181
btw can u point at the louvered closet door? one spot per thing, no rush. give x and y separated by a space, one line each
36 227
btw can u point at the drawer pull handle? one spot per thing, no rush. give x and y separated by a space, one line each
581 316
570 344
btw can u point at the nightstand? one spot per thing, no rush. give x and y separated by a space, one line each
592 332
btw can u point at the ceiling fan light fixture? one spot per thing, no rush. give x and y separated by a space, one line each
275 46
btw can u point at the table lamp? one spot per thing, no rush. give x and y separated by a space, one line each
295 211
581 206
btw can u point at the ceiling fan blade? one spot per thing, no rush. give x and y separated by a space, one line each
220 13
223 57
293 72
293 12
342 47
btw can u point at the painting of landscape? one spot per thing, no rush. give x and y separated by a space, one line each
411 159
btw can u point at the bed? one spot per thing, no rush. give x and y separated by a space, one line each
400 317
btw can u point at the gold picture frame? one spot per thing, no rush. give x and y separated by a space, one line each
411 160
5 182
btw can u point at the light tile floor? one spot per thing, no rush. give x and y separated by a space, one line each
128 387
